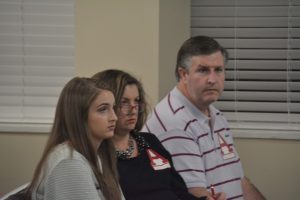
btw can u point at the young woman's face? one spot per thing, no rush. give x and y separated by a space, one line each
128 109
101 117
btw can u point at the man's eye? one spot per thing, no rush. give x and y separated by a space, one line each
203 70
219 70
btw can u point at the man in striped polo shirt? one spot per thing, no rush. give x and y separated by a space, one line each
197 134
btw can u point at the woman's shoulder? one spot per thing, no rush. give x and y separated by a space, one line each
149 137
64 151
153 142
62 156
61 153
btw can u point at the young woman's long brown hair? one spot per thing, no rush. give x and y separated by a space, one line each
70 124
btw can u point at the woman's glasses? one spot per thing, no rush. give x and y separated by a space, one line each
127 107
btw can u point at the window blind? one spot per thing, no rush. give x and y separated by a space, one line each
262 88
36 60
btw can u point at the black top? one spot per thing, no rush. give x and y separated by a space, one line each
140 181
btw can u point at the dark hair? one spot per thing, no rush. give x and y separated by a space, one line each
195 46
70 124
118 80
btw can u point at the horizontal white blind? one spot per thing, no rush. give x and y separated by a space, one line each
262 88
36 58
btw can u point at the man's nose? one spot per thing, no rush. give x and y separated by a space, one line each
212 77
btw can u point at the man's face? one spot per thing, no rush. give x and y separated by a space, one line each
204 80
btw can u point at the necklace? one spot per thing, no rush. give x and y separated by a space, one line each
127 153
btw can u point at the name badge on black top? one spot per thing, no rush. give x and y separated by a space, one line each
157 161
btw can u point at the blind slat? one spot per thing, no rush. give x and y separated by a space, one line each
275 107
261 85
238 11
268 117
245 22
263 75
247 32
263 64
260 96
242 2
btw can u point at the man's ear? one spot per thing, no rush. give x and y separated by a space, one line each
182 72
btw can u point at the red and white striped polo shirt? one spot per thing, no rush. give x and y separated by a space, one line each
195 149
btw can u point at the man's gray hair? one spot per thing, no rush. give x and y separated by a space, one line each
195 46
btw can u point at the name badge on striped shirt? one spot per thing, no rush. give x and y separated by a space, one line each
226 150
157 161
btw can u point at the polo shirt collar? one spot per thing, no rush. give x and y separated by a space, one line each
190 106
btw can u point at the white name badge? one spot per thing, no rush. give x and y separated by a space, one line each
157 161
226 150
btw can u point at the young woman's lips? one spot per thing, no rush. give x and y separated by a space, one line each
112 127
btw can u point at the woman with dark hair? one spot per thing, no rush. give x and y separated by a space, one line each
79 160
145 167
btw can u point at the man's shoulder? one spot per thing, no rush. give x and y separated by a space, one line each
171 114
166 117
170 107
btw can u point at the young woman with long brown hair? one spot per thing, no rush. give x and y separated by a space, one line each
79 161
